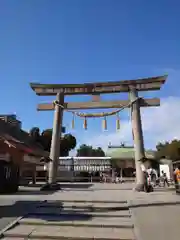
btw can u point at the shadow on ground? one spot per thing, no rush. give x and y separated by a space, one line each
17 209
28 190
46 211
29 209
76 185
64 185
33 192
9 213
35 189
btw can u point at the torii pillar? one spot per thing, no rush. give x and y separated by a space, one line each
137 137
55 143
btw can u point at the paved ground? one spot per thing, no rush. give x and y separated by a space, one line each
89 208
157 215
15 205
6 214
158 222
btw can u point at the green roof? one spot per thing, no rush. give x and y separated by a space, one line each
126 153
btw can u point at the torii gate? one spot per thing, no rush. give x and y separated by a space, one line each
130 86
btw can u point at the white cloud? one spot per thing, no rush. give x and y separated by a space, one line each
159 124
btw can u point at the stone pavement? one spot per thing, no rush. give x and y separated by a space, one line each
101 211
156 215
158 222
15 205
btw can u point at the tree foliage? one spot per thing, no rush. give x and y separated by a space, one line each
88 151
169 150
46 137
35 133
67 143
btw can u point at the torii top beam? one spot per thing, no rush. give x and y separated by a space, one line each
144 84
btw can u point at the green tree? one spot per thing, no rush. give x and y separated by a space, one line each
170 150
46 137
35 133
67 143
88 151
36 136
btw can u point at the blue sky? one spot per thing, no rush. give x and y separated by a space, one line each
68 41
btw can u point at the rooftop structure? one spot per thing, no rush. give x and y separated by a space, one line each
11 119
20 139
127 153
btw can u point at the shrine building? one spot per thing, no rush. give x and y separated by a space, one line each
123 159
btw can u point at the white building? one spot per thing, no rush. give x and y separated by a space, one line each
85 164
73 166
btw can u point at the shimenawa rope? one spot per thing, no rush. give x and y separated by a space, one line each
102 114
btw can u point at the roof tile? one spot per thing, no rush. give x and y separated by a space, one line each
126 153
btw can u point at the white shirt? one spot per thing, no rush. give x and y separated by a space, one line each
143 168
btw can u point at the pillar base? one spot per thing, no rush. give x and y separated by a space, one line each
51 187
139 187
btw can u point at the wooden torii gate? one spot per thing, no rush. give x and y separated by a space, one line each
130 86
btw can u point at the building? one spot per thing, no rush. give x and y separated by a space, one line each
11 119
18 154
120 158
77 167
86 164
123 159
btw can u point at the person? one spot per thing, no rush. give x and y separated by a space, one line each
177 179
100 177
146 175
154 177
147 179
90 176
165 179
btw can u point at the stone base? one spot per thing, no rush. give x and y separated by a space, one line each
139 188
51 187
142 188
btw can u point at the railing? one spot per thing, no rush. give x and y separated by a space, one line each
27 180
81 167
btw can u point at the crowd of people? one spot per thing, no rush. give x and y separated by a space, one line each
152 179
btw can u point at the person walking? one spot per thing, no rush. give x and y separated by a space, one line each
165 179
